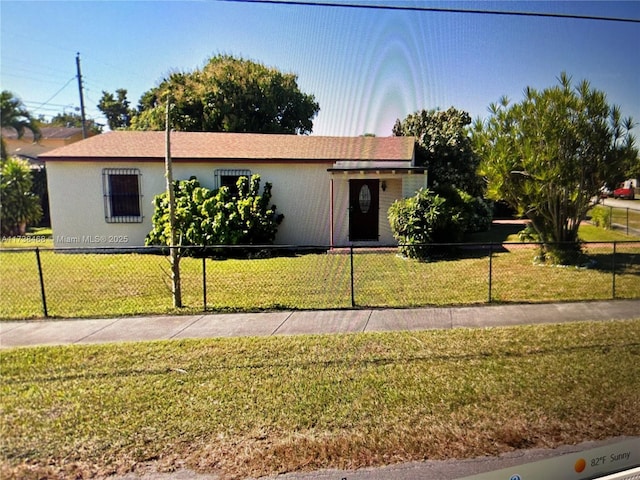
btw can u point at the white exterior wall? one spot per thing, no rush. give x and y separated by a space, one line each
300 191
76 201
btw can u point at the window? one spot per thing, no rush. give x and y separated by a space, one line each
121 187
229 178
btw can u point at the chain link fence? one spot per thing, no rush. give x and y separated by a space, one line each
45 282
624 219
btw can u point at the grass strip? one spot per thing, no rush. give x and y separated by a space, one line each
257 406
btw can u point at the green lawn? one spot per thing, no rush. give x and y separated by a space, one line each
256 406
591 233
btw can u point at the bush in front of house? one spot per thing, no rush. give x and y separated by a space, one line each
430 218
477 212
217 217
19 206
423 219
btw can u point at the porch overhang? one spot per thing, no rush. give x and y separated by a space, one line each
375 167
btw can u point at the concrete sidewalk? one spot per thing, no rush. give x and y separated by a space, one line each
130 329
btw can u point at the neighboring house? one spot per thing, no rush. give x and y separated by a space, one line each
51 138
333 191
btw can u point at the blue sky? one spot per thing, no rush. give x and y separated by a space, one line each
365 67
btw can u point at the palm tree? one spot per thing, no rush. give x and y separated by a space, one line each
19 205
13 114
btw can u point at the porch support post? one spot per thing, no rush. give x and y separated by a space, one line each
331 211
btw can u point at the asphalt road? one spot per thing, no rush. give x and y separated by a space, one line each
620 203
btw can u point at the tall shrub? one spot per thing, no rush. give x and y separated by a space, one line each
477 212
429 218
423 219
217 217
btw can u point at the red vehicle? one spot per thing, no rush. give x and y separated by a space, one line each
625 191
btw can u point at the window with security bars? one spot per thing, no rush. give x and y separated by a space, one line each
229 178
122 196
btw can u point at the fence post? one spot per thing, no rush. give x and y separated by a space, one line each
42 294
627 220
490 268
613 275
610 217
204 283
353 295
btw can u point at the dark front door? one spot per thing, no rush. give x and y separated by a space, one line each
363 209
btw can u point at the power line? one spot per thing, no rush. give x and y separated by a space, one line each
436 9
27 77
64 109
14 63
52 105
55 94
18 71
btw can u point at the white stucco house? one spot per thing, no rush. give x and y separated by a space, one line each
333 191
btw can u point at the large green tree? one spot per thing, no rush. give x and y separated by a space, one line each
116 108
548 156
14 115
229 94
444 146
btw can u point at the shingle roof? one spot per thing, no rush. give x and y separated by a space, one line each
229 146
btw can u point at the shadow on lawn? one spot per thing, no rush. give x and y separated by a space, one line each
499 232
500 239
481 244
625 263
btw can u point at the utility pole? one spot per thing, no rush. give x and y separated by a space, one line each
174 254
84 123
